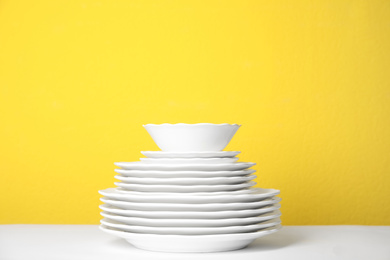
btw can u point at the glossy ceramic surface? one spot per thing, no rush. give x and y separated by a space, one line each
190 243
185 167
189 160
153 222
190 214
189 230
186 181
191 137
183 174
184 188
190 207
161 154
258 195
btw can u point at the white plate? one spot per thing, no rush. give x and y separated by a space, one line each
189 160
190 214
184 188
186 181
155 222
143 193
190 207
183 174
190 243
185 167
258 195
161 154
189 230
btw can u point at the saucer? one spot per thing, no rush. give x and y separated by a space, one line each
161 154
185 167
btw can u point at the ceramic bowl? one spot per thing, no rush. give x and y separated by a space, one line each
191 137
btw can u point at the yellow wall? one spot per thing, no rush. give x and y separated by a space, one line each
308 80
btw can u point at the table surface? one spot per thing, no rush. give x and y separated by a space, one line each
292 242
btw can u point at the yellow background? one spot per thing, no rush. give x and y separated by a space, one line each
308 80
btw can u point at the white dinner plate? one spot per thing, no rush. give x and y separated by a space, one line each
190 207
189 230
185 167
161 154
183 174
155 222
190 243
184 188
189 160
259 194
186 181
143 193
190 214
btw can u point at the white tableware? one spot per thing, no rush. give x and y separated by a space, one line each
191 137
183 174
189 160
259 194
189 230
201 154
179 194
190 243
190 214
155 222
190 207
185 167
186 181
184 188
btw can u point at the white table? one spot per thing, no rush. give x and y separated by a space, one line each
292 242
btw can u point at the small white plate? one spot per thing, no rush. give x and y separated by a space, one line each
184 188
259 194
189 230
190 243
190 214
155 222
185 167
189 160
186 181
190 207
183 174
161 154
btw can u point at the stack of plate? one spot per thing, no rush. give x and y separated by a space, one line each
191 196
